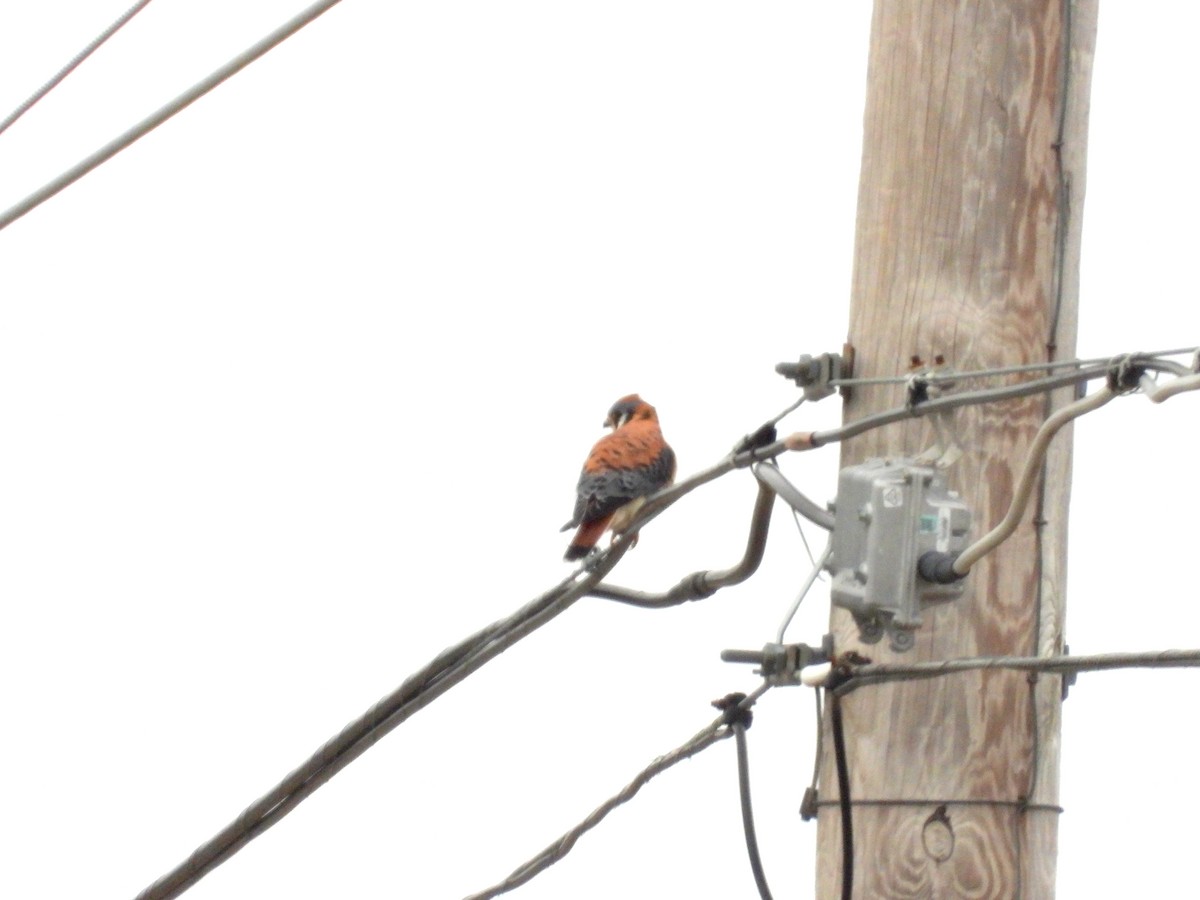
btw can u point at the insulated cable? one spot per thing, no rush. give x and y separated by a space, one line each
71 66
808 808
865 674
818 566
769 474
810 440
152 121
1160 392
743 759
1033 462
934 377
447 669
843 778
717 730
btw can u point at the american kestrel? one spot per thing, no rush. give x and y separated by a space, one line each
621 471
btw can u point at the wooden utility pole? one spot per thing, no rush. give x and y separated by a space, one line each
967 247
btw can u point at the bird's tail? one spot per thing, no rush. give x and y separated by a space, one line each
586 538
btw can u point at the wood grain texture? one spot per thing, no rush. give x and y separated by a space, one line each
967 246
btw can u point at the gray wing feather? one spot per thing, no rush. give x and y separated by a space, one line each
602 493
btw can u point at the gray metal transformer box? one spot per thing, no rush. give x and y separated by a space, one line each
888 512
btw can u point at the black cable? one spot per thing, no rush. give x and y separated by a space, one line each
760 878
734 708
843 777
808 808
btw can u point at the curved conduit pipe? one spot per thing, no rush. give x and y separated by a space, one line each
703 584
1029 474
1160 392
770 475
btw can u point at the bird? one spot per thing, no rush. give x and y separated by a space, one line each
623 468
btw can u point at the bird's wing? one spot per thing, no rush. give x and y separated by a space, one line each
602 491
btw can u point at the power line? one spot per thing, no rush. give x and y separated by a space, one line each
718 729
877 673
811 440
447 669
70 67
152 121
802 441
1017 805
996 371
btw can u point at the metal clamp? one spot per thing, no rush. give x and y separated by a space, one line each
815 374
780 664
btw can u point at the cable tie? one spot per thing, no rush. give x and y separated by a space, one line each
1124 375
763 437
916 389
732 711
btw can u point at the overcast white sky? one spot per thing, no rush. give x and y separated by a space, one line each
294 392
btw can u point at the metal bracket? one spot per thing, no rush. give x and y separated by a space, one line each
815 374
780 664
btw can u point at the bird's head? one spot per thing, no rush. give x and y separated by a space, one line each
628 409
